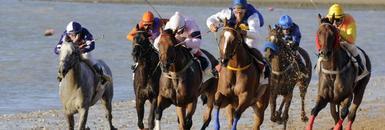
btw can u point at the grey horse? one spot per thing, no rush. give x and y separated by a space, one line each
80 87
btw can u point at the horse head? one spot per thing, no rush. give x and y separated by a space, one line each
69 56
230 40
276 43
327 38
141 44
167 49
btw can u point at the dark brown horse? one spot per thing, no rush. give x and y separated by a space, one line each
146 75
337 76
238 86
179 82
286 74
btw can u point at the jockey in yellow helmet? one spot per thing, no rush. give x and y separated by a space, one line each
347 29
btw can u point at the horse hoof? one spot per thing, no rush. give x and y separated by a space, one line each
305 119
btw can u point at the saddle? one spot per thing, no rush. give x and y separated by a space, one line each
362 70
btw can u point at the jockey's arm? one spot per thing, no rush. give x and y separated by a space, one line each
58 45
296 35
349 34
218 17
89 44
194 40
253 24
131 34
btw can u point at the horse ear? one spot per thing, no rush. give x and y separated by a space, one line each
332 20
137 26
269 28
319 18
225 22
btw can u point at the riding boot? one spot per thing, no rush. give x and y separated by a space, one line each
301 66
264 67
360 65
133 66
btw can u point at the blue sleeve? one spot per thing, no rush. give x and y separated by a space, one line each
89 47
58 45
296 35
90 43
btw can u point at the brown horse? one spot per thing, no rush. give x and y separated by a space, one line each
286 74
238 86
179 82
337 76
146 75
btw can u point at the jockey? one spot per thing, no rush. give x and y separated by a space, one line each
292 37
291 31
347 30
152 25
77 34
250 22
188 32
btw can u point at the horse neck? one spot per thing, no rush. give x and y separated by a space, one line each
74 75
181 60
241 57
281 60
338 61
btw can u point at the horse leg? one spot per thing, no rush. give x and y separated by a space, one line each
243 99
218 102
83 113
259 110
320 104
140 112
207 113
190 109
106 102
162 104
278 113
333 112
180 112
357 99
230 115
70 121
343 113
285 116
273 104
303 90
151 117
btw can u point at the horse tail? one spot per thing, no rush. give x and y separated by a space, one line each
308 64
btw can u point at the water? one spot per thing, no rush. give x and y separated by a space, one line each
28 65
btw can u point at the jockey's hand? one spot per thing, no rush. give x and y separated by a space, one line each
213 28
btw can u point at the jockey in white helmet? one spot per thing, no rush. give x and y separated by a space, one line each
187 32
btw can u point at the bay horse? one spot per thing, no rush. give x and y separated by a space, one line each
337 75
286 74
179 82
80 87
238 85
146 76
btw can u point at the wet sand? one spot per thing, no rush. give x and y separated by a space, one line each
370 116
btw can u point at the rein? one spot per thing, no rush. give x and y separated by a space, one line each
233 53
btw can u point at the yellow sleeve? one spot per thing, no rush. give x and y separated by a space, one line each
349 33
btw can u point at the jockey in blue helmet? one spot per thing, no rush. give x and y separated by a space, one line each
290 30
249 19
292 38
77 34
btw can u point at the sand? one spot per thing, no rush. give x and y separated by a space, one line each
370 116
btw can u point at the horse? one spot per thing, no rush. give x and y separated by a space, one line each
337 77
179 82
238 85
146 75
80 87
286 74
